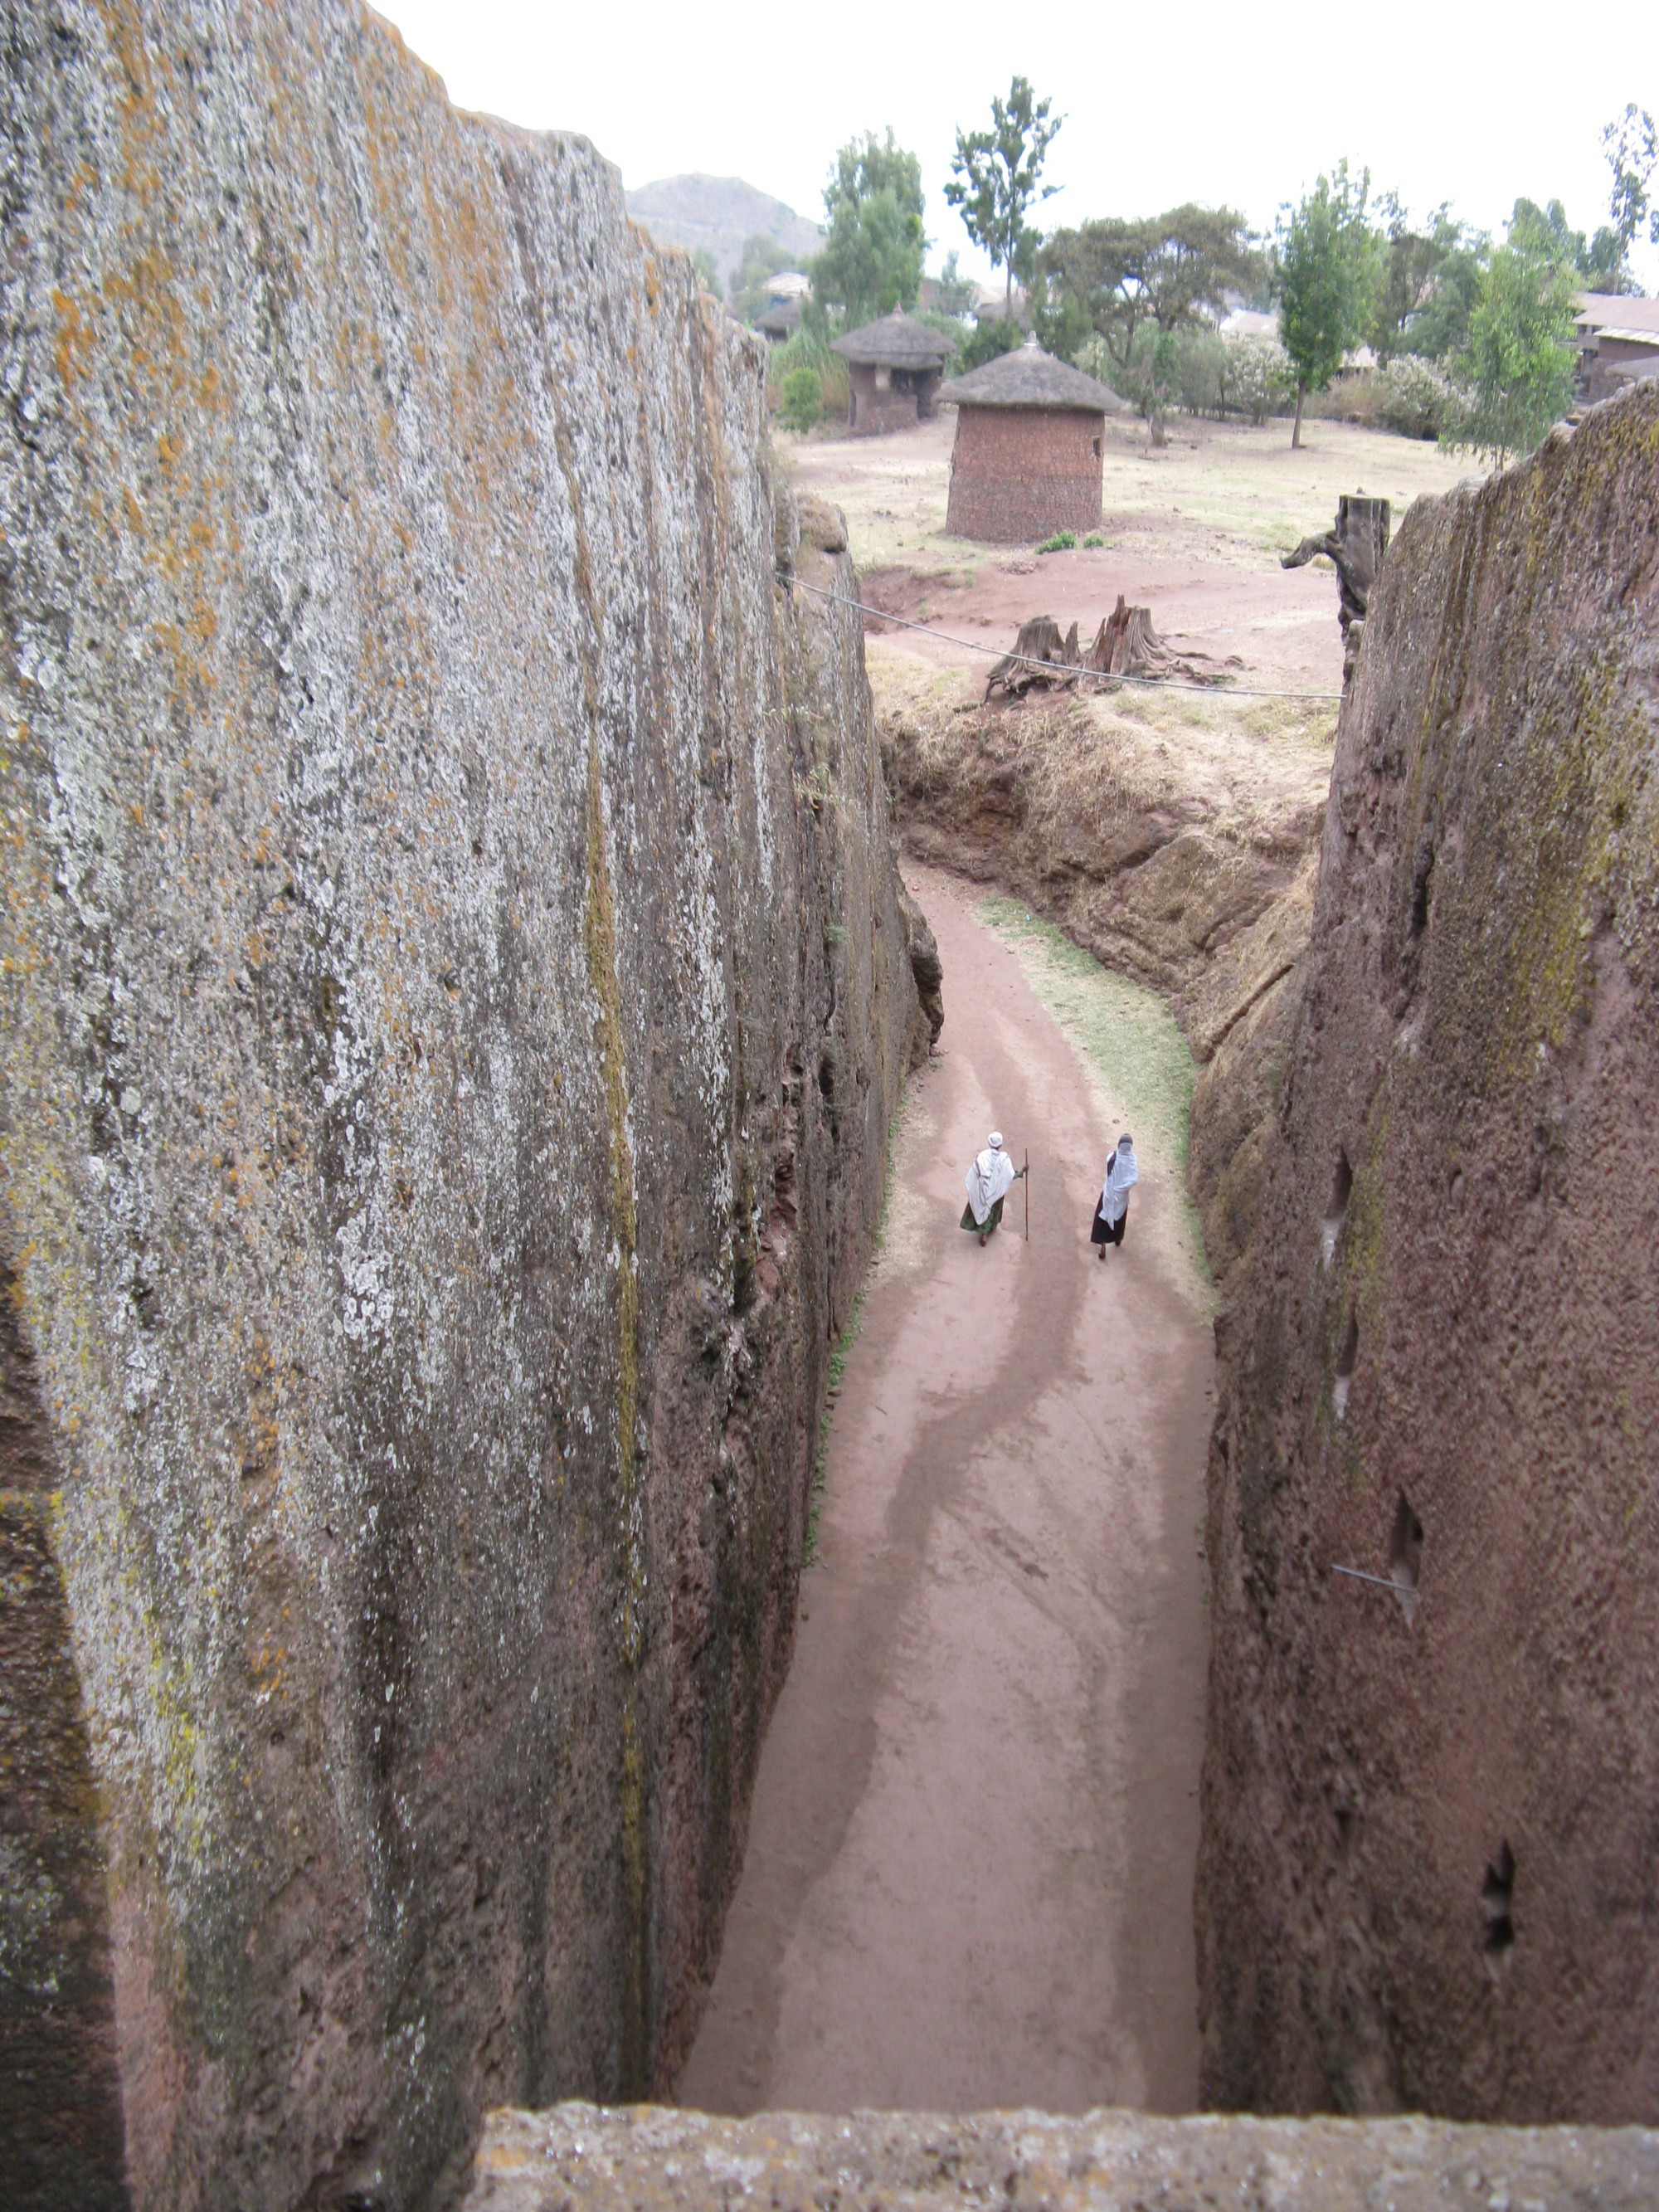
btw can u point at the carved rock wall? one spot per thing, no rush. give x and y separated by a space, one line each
453 992
1428 1876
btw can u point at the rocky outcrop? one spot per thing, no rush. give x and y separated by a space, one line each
1427 1876
579 2160
454 989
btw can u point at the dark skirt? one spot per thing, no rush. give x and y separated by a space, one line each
1109 1232
981 1228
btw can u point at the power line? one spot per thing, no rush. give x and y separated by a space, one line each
1062 667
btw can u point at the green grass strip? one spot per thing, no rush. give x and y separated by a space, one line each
1125 1034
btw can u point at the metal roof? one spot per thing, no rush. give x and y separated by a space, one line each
1618 315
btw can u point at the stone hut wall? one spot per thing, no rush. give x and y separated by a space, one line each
1021 473
879 401
454 987
1427 1877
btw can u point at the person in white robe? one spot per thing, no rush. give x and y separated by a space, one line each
1112 1208
989 1180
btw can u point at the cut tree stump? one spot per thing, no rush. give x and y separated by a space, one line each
1040 642
1126 644
1355 547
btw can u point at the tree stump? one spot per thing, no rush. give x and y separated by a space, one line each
1355 547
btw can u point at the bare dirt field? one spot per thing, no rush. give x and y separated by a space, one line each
1193 530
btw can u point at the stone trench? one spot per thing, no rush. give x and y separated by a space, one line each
456 988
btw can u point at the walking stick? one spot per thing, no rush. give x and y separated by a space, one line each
1027 1180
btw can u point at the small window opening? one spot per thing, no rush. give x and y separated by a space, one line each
1421 876
1496 1893
1341 1192
1406 1556
1095 443
1345 1367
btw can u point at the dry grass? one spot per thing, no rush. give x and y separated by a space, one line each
1220 492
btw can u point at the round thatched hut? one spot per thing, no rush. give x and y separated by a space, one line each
1026 461
894 371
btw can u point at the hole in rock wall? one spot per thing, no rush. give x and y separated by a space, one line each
1496 1893
1345 1366
62 2138
1406 1555
1422 874
1341 1192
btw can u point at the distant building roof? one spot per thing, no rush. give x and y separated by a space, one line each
780 320
1614 315
1248 323
1028 377
898 340
788 285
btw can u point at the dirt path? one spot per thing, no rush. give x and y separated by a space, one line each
969 1879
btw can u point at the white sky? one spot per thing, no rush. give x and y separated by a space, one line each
1442 99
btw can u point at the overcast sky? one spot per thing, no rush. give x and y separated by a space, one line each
1441 99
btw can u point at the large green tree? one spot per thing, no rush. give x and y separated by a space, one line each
1516 372
871 261
1599 261
1158 275
1631 146
996 179
1326 258
1407 263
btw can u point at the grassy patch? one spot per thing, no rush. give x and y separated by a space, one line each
1125 1034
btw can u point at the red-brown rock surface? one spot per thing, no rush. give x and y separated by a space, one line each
454 993
1429 1875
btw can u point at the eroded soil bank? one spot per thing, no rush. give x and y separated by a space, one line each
970 1853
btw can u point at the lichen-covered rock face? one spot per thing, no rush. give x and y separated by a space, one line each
1427 1875
455 991
575 2159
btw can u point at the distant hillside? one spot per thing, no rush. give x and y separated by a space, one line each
721 213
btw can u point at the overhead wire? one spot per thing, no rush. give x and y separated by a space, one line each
1062 667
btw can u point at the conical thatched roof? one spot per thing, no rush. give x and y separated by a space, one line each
898 340
1028 377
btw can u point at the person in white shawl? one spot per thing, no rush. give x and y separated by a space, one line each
1112 1209
990 1180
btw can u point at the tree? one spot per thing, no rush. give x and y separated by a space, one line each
1440 327
1324 256
763 258
872 260
1407 267
1600 262
1515 375
953 293
1631 147
1159 275
995 181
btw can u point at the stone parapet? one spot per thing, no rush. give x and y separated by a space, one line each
584 2158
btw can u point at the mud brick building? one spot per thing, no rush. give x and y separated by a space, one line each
894 368
1026 460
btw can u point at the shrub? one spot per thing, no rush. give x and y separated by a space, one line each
989 340
948 327
1094 539
1416 398
1257 379
802 403
1201 367
1062 542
